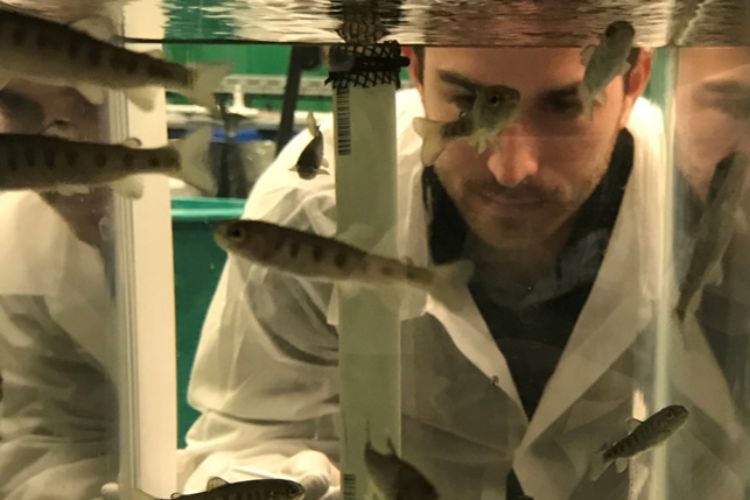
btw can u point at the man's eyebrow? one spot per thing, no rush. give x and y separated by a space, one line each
726 87
460 80
560 93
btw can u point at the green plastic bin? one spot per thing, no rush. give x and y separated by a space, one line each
198 263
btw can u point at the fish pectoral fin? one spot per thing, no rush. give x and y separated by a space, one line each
624 68
632 424
5 77
621 464
600 98
143 97
586 54
215 482
99 27
128 187
92 93
324 163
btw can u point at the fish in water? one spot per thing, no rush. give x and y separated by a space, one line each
493 108
394 478
604 62
647 434
314 256
311 159
44 163
48 52
257 489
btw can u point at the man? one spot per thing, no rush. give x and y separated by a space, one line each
554 347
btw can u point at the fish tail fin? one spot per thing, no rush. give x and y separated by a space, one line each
207 77
587 101
193 151
433 142
597 465
621 464
312 125
450 281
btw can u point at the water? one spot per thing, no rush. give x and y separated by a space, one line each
638 302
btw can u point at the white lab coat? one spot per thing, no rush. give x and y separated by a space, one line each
57 432
265 375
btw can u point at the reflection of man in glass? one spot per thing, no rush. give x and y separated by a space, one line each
712 147
57 431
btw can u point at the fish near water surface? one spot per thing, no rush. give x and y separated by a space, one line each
53 53
45 163
605 62
257 489
314 256
648 434
492 109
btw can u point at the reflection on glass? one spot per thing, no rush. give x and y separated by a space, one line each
58 424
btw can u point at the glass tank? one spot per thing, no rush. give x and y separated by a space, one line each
374 249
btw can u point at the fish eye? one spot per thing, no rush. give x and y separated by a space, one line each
495 99
236 233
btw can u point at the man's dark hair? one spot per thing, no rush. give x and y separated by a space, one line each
419 54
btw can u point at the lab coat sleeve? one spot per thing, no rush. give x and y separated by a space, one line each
265 374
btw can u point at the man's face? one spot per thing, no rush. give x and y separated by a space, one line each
712 110
550 159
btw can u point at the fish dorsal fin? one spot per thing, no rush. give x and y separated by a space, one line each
586 54
132 142
215 482
174 496
99 27
156 53
632 424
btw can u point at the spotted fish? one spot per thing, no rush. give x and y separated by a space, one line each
41 50
314 256
44 163
649 433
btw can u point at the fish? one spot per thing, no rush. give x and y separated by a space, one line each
256 489
646 435
492 110
311 159
395 478
45 163
317 257
604 62
49 52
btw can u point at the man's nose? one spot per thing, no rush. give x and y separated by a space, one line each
513 156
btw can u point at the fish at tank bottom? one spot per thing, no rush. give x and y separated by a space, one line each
307 254
646 435
486 112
